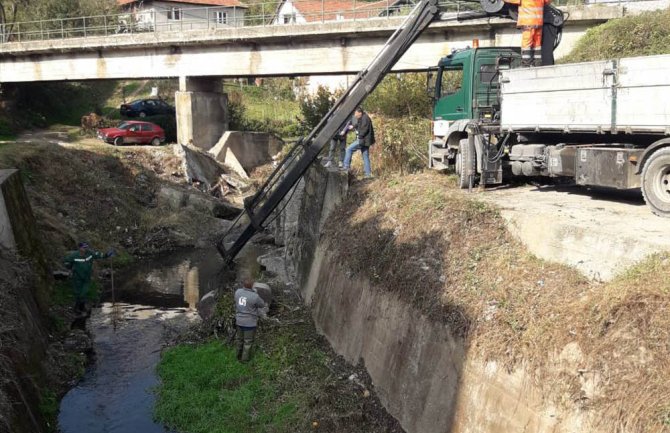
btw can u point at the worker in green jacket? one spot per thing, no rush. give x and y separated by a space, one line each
80 263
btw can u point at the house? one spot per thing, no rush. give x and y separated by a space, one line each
308 11
162 15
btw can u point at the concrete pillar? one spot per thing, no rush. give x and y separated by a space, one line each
202 111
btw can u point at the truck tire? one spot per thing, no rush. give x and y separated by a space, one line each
465 158
656 182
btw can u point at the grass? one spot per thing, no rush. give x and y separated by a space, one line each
293 380
635 35
208 391
451 256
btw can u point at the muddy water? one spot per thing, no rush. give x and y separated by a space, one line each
152 301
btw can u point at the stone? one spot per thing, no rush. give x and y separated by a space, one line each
275 263
264 291
207 305
177 198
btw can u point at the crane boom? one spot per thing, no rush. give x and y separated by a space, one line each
267 200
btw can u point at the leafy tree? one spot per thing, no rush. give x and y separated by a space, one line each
314 107
9 10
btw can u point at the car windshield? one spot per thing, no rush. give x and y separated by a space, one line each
125 125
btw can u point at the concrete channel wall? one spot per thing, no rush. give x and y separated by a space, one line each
424 376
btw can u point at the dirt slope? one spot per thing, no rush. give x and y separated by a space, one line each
452 257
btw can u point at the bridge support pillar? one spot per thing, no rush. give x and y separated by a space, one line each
202 111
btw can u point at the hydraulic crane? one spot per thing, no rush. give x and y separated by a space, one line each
273 195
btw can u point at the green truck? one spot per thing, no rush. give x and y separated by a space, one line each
603 123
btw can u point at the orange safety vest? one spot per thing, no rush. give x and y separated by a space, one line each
531 12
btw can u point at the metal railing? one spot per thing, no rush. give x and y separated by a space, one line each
211 18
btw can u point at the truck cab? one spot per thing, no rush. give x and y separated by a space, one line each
466 88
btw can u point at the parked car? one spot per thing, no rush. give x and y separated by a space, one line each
133 132
146 107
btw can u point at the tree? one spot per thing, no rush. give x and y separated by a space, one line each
9 10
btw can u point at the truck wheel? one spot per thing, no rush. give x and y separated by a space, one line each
118 141
656 182
465 158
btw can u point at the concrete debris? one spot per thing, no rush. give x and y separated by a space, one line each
207 306
243 151
275 263
199 166
177 198
264 291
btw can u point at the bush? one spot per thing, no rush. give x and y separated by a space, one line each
400 95
401 144
314 107
641 35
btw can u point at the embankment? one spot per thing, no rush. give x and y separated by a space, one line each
459 327
23 306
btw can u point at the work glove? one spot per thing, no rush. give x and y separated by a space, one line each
111 253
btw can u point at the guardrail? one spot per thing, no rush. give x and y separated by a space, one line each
219 17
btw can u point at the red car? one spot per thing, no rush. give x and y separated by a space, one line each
133 132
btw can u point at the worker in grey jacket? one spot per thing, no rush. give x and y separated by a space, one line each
248 306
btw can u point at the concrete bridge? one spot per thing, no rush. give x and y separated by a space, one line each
200 58
336 47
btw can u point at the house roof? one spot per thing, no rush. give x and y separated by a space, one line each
312 10
227 3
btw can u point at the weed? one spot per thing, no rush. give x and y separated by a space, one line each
49 409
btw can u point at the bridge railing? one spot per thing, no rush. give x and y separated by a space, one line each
256 13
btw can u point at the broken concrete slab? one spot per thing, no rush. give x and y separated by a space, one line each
178 198
199 166
275 263
242 151
207 305
264 291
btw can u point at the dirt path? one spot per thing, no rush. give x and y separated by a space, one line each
599 232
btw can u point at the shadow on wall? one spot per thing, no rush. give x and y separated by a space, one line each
391 317
413 345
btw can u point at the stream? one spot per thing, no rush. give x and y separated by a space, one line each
152 302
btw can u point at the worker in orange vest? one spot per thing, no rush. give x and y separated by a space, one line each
531 19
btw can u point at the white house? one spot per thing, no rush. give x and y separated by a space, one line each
307 11
161 15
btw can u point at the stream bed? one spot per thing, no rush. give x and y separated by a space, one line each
149 303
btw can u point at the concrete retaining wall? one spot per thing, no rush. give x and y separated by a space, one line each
424 376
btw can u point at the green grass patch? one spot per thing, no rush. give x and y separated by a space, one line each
49 409
205 389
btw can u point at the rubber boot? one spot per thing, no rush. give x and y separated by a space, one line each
248 343
526 57
240 343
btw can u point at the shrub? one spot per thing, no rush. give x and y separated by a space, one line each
400 95
314 107
641 35
401 144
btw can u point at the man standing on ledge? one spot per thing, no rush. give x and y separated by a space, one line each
365 137
248 306
531 20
